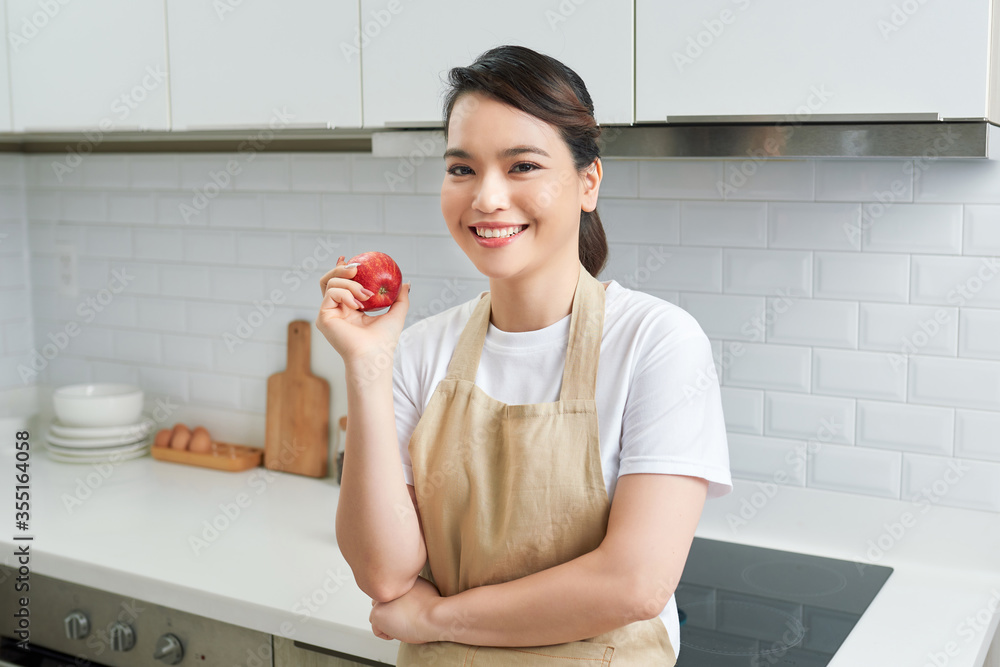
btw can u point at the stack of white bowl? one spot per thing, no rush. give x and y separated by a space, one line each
98 422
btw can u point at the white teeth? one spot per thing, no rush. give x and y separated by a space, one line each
502 232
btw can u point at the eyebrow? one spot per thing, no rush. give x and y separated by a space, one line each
506 153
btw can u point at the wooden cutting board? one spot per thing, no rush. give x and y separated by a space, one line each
297 427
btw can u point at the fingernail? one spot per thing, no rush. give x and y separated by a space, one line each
347 266
366 292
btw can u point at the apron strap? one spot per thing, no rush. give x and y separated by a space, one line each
583 349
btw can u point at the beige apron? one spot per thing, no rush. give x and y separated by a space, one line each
505 491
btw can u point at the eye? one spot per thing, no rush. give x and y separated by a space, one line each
453 171
524 164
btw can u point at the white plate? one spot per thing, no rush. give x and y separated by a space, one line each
57 456
90 443
77 452
139 429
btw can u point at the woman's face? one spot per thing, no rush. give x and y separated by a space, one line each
507 171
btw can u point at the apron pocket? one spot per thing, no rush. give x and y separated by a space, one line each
441 654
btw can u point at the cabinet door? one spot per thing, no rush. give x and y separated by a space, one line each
264 64
409 48
5 123
786 57
94 64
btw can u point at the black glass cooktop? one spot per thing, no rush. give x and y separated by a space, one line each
743 606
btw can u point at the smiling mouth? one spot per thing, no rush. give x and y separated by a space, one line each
498 233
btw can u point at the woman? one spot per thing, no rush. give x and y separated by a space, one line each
521 414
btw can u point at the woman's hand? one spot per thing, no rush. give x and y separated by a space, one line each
408 617
352 333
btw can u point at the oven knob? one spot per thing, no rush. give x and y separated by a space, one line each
122 637
169 649
77 625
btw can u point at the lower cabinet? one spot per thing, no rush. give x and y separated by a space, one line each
287 654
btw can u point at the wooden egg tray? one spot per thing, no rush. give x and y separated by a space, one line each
224 456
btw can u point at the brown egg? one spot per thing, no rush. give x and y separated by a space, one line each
162 438
180 437
201 441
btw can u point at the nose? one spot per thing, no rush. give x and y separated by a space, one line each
491 194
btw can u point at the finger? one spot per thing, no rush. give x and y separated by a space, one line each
340 271
340 296
359 292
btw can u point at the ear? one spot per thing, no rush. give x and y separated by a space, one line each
591 179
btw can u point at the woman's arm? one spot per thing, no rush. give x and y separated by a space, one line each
629 577
378 531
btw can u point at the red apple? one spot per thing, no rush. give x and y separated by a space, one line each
377 273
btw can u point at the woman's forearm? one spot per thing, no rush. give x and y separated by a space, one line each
582 598
377 528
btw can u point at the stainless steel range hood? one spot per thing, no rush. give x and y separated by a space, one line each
762 137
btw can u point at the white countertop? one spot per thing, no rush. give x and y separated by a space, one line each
277 561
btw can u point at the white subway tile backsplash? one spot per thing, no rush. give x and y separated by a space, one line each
248 357
812 226
131 208
12 171
159 243
200 169
291 211
322 172
51 171
180 210
767 459
154 172
738 224
932 480
160 314
977 435
264 248
435 256
353 213
861 276
767 272
13 270
917 228
83 206
215 389
620 179
980 333
264 172
188 281
912 428
371 174
869 472
181 351
253 395
852 373
680 179
115 372
886 181
214 247
961 383
906 329
430 176
812 322
956 281
105 171
237 285
743 410
138 278
772 180
727 316
676 268
208 318
982 229
139 346
109 242
628 220
959 182
815 419
164 382
43 205
767 366
89 341
413 214
238 210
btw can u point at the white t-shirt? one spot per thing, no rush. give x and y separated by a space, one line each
659 408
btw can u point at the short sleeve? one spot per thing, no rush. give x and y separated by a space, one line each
407 414
673 421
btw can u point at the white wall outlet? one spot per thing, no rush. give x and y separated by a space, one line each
67 269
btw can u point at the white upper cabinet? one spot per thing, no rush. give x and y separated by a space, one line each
408 49
5 121
83 65
237 64
806 59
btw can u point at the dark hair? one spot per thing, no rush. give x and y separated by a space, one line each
546 89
